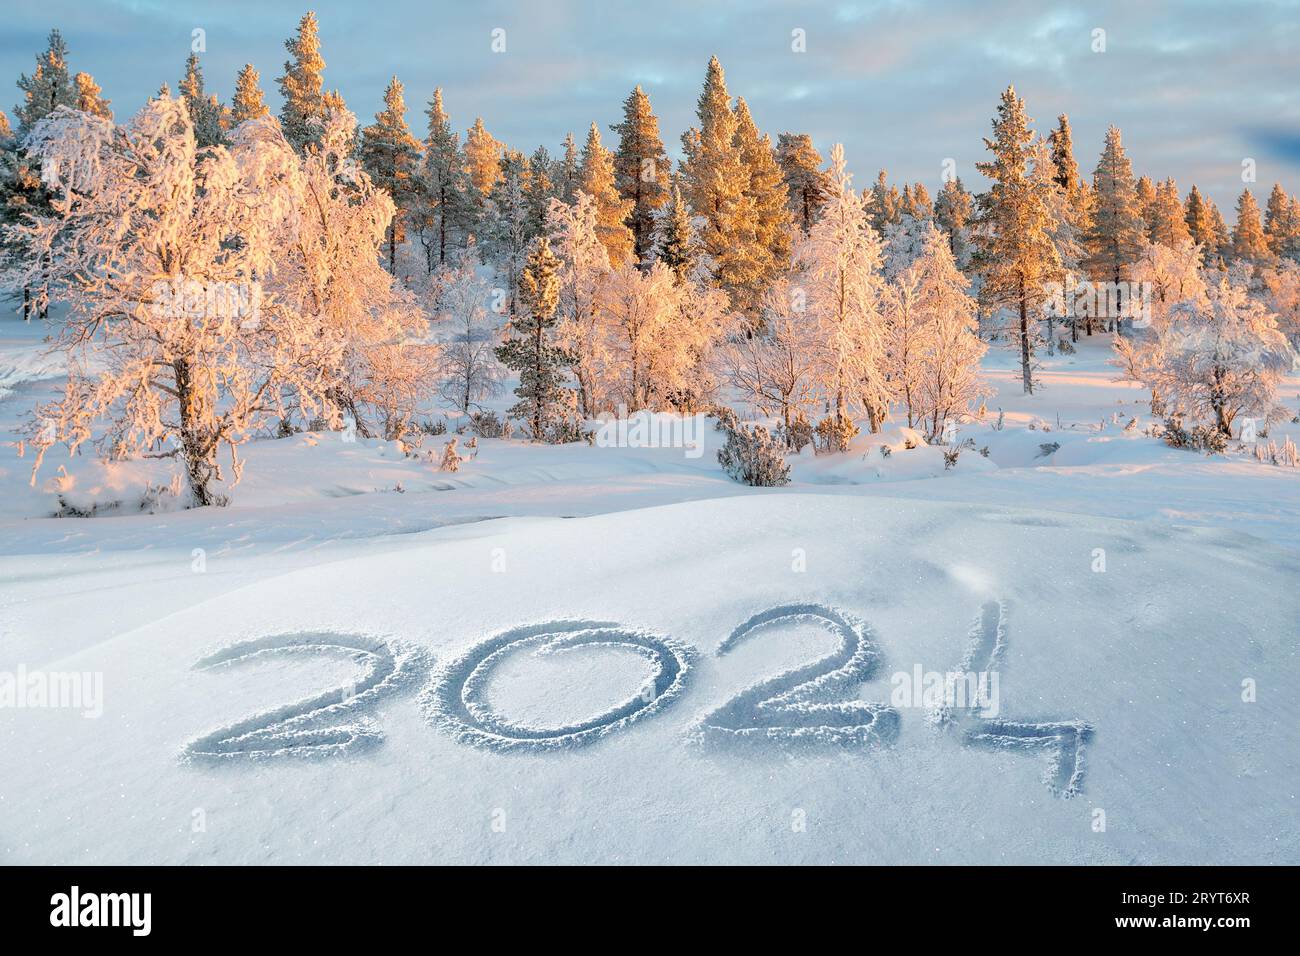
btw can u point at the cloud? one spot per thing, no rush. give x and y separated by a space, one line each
1196 86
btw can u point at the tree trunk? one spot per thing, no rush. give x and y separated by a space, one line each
197 448
1026 372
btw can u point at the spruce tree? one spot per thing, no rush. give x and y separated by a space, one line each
1118 228
539 190
883 203
807 185
612 210
674 240
1281 227
390 154
952 214
1166 223
770 203
1196 215
569 177
302 86
1248 241
90 98
1219 228
506 222
205 112
447 208
482 159
247 103
1016 252
641 169
530 348
48 88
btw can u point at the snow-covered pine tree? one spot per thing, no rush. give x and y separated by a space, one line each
952 214
1118 228
641 169
391 156
90 98
302 86
1015 250
612 210
48 88
539 190
1199 227
770 204
806 184
505 224
1166 223
883 203
531 351
715 182
1282 224
839 277
446 209
568 179
675 242
1249 244
247 102
1219 228
482 159
205 113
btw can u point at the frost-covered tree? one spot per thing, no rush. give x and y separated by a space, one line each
612 210
1249 244
531 350
505 226
883 203
303 85
676 242
469 372
1166 223
839 276
806 183
1282 287
539 190
482 159
205 111
641 169
568 178
952 214
775 369
571 230
161 342
247 102
1016 251
48 88
715 181
769 200
1223 357
391 155
444 208
1282 224
369 332
1118 228
1196 213
945 378
90 98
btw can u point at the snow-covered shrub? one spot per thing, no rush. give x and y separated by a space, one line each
487 424
725 418
834 435
799 433
753 456
1064 347
950 458
451 456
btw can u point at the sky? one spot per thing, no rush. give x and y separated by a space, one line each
1197 88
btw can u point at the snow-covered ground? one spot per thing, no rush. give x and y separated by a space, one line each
544 657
